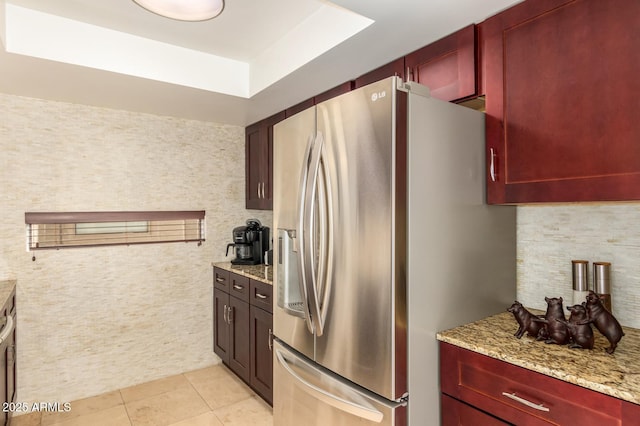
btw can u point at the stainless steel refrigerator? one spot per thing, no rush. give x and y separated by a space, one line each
382 239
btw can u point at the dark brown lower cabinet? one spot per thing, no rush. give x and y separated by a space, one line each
242 329
261 353
239 356
477 389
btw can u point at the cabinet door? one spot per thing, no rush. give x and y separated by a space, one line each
239 355
220 324
261 353
447 66
255 161
562 101
259 163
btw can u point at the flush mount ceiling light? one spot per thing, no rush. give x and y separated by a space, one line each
184 10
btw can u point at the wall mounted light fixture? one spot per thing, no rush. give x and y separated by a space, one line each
184 10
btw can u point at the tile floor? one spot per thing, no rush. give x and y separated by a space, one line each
212 396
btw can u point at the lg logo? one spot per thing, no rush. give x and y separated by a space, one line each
378 95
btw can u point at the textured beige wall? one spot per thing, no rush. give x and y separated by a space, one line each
92 320
550 236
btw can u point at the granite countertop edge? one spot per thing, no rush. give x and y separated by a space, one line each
616 375
263 273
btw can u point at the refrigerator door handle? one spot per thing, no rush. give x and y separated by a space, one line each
322 290
311 269
352 407
300 235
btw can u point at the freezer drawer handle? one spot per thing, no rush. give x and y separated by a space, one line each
367 413
533 405
7 330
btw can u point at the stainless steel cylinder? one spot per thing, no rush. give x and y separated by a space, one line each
579 270
580 282
602 282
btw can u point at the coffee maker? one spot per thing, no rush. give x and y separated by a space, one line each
250 242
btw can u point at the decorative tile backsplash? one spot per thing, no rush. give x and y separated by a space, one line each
91 320
550 236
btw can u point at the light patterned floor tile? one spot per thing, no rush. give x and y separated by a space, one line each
31 419
219 387
83 407
249 412
115 416
153 388
166 408
206 419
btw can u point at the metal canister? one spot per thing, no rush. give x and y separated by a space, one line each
602 282
580 283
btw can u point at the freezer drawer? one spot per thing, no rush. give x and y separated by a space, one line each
306 394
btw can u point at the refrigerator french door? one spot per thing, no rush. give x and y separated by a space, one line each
338 302
381 237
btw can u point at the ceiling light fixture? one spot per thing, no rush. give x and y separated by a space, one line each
184 10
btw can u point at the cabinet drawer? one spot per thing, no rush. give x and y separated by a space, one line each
261 295
454 413
521 396
239 286
221 279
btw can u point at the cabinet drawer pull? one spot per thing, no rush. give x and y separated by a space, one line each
224 314
533 405
270 340
220 280
229 315
238 287
261 296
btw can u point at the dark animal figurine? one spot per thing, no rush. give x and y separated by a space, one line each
554 323
606 323
580 335
526 320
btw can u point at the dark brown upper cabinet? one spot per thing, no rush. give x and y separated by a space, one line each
259 150
562 101
448 66
259 162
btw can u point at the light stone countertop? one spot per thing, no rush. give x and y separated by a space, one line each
262 273
616 375
6 288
